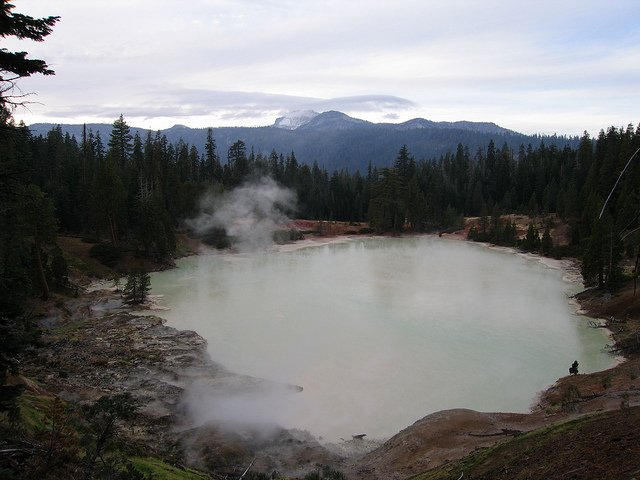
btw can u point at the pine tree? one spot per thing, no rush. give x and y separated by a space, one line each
130 291
144 285
108 199
27 221
546 244
153 227
137 287
602 255
212 168
16 65
120 146
404 164
531 242
385 207
509 236
238 164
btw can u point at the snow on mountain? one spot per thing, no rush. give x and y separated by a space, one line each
295 119
333 120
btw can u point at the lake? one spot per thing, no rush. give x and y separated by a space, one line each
379 332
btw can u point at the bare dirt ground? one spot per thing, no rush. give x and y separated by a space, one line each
560 233
320 228
440 438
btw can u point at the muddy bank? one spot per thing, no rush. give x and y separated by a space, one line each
439 438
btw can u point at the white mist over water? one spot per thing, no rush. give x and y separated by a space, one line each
380 332
249 213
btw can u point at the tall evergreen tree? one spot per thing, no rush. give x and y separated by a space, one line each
602 255
16 65
41 226
137 287
120 146
237 162
212 168
546 243
531 242
386 206
27 222
109 196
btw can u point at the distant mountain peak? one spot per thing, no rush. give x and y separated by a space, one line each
335 140
416 123
295 119
333 120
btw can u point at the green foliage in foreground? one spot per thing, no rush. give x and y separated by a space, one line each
52 439
159 470
33 410
325 473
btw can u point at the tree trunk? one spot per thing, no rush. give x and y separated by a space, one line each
113 230
40 268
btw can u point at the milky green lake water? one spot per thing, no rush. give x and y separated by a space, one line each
379 332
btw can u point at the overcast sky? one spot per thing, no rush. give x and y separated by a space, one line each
532 66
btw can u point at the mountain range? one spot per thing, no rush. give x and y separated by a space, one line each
338 141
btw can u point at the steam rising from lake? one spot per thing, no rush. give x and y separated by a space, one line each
249 214
379 332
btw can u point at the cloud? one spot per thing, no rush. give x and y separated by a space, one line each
222 61
202 102
363 103
229 106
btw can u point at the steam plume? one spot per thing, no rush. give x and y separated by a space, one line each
249 214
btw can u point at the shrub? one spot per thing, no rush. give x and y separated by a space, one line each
570 399
217 238
326 473
106 254
286 236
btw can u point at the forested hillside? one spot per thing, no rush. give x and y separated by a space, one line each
336 141
135 191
